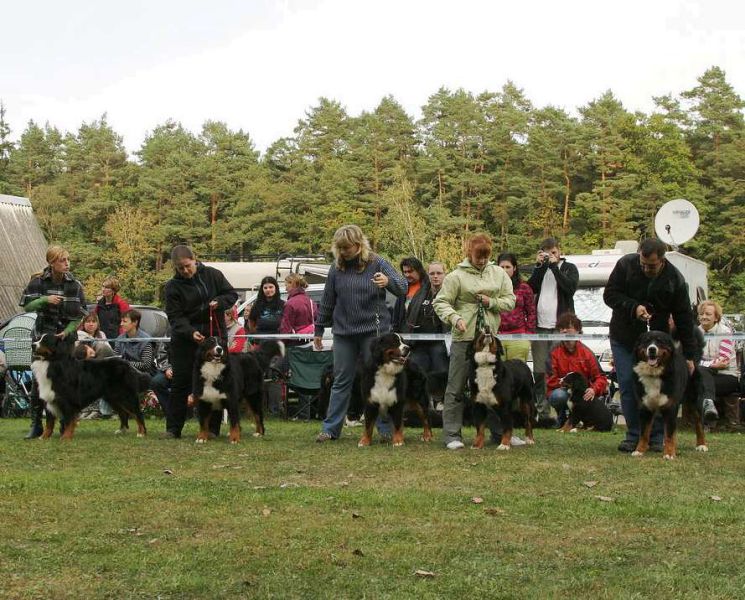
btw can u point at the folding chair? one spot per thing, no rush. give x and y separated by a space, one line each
305 368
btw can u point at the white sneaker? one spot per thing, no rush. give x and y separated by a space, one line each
455 445
516 441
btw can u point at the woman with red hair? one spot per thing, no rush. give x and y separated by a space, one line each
475 281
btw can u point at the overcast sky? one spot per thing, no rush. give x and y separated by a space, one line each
259 65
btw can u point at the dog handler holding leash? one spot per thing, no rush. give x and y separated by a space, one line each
194 295
643 290
476 280
353 304
58 300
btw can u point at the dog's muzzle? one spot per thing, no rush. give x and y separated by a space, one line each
652 355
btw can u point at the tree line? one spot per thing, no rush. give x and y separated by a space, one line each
490 161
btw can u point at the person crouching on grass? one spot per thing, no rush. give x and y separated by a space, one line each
572 356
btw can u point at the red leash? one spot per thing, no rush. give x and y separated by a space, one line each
213 317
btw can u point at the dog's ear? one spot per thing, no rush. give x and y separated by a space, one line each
498 349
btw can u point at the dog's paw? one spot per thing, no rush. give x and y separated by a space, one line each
234 441
637 453
200 441
504 447
702 448
363 443
530 441
120 431
397 444
669 457
573 430
257 434
140 435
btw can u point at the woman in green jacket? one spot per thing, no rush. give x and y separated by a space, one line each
475 280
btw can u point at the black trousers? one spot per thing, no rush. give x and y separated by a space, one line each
717 384
183 354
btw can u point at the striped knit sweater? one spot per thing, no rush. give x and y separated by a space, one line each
351 300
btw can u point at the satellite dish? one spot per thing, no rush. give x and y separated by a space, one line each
676 222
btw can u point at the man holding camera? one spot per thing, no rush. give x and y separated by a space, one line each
554 281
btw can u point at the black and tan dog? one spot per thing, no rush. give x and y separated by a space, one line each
593 415
390 384
67 385
222 381
505 386
662 383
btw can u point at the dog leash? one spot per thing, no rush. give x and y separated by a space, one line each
213 318
480 317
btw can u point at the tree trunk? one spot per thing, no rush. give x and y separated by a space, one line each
214 202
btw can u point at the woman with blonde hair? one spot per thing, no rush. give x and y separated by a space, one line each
58 300
718 366
300 311
353 305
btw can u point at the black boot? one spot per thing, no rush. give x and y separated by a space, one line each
36 427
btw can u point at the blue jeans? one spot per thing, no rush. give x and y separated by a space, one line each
623 360
348 349
559 399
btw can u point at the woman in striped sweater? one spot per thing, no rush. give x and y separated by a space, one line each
353 305
718 365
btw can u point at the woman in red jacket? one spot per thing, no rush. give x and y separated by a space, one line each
572 356
300 311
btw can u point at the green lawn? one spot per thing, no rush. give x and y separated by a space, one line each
121 517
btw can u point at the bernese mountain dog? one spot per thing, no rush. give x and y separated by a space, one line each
593 415
505 386
662 383
67 385
222 380
389 384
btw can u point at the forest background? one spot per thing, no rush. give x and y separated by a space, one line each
489 161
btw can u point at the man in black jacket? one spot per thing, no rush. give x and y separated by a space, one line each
643 290
554 281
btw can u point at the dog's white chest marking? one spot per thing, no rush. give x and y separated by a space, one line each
383 392
485 379
651 380
40 369
210 371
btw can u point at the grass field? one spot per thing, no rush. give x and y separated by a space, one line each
121 517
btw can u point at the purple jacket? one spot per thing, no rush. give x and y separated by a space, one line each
520 319
298 312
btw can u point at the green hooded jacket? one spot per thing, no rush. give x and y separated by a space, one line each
457 298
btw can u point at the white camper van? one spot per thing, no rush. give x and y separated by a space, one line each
594 270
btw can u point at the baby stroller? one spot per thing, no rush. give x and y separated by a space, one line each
16 342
